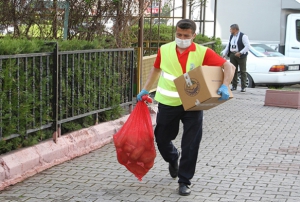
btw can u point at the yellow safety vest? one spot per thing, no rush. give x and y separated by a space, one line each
166 92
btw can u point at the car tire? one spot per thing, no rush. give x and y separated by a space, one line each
249 82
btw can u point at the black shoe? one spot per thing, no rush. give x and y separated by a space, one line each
184 189
243 90
233 88
173 169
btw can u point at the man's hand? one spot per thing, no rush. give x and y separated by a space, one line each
223 91
238 54
140 95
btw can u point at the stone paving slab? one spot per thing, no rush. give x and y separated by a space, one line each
249 152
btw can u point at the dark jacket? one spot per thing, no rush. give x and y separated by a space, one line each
239 44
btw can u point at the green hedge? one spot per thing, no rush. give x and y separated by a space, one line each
25 99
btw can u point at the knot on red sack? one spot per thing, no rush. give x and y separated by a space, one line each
147 98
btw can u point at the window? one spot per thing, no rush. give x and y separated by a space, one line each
298 30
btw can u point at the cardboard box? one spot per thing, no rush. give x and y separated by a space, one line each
198 88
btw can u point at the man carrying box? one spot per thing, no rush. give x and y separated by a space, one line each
173 60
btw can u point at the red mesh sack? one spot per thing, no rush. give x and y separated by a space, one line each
134 142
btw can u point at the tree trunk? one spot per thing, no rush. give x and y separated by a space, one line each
54 23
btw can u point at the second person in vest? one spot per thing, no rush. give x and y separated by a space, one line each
174 59
237 50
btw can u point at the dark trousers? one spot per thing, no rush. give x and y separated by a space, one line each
239 62
168 121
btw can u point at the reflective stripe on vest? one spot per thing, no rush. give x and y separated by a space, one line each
166 90
167 76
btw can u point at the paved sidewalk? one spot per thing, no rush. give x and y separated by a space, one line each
249 152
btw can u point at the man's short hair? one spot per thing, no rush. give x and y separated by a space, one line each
235 26
186 24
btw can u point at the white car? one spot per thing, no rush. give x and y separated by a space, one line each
6 29
266 66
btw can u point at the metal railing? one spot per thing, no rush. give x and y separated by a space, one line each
44 90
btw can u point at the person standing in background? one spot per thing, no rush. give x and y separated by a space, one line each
237 50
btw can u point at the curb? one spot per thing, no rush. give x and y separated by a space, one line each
18 165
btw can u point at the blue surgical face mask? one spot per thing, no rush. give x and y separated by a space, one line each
183 43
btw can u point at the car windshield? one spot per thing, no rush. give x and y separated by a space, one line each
256 53
266 50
